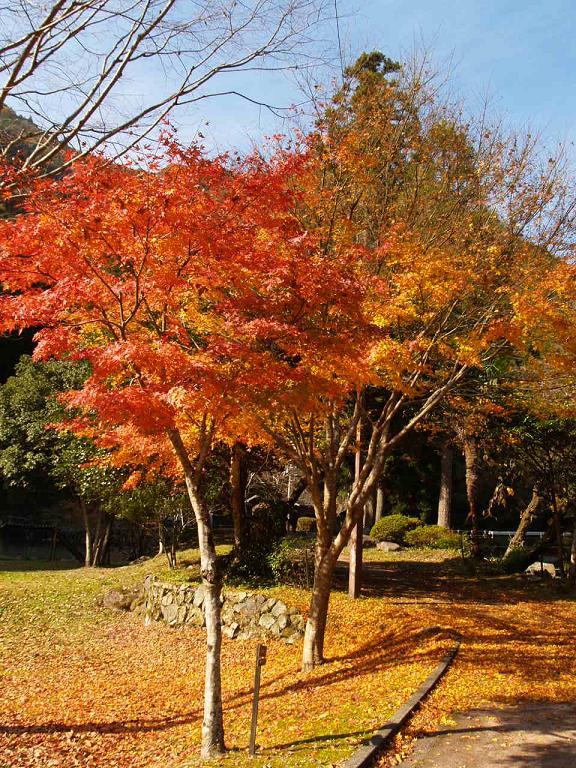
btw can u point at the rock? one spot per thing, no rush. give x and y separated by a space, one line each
231 631
549 569
259 599
249 608
199 597
266 620
195 617
282 621
118 600
170 613
367 542
388 546
275 629
137 604
167 598
278 609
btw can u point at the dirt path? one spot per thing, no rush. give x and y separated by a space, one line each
529 736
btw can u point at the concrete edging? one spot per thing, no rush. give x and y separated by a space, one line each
367 752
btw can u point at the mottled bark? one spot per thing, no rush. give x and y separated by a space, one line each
526 519
212 723
445 498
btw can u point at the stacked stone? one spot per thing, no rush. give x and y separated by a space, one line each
245 615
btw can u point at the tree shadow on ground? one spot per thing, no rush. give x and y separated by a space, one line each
528 735
450 580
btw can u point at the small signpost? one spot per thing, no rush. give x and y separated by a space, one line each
260 661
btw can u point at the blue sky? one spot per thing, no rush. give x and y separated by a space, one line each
519 53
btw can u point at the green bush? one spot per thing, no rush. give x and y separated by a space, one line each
393 528
432 537
291 561
267 525
516 562
306 525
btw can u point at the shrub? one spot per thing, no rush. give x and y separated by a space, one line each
267 525
291 561
393 528
306 525
515 562
432 537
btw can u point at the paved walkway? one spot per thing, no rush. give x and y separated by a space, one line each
530 736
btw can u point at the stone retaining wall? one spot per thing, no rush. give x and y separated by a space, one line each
245 615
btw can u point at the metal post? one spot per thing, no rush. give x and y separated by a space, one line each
260 661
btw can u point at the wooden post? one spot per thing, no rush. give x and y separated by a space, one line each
357 535
260 661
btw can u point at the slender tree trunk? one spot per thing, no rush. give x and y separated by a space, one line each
445 498
356 545
102 543
470 449
161 543
526 519
213 722
87 533
558 534
238 480
380 499
572 570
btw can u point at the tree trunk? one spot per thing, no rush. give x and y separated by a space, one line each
526 519
445 498
470 449
572 570
87 534
558 534
238 480
356 545
313 651
212 723
380 499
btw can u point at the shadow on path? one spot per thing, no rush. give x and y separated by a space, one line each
526 736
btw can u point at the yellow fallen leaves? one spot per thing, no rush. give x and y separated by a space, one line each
84 687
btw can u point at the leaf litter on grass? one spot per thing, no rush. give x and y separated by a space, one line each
84 686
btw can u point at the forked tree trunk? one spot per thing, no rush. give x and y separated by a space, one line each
445 498
238 480
526 519
212 723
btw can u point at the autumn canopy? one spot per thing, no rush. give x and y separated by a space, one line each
296 300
